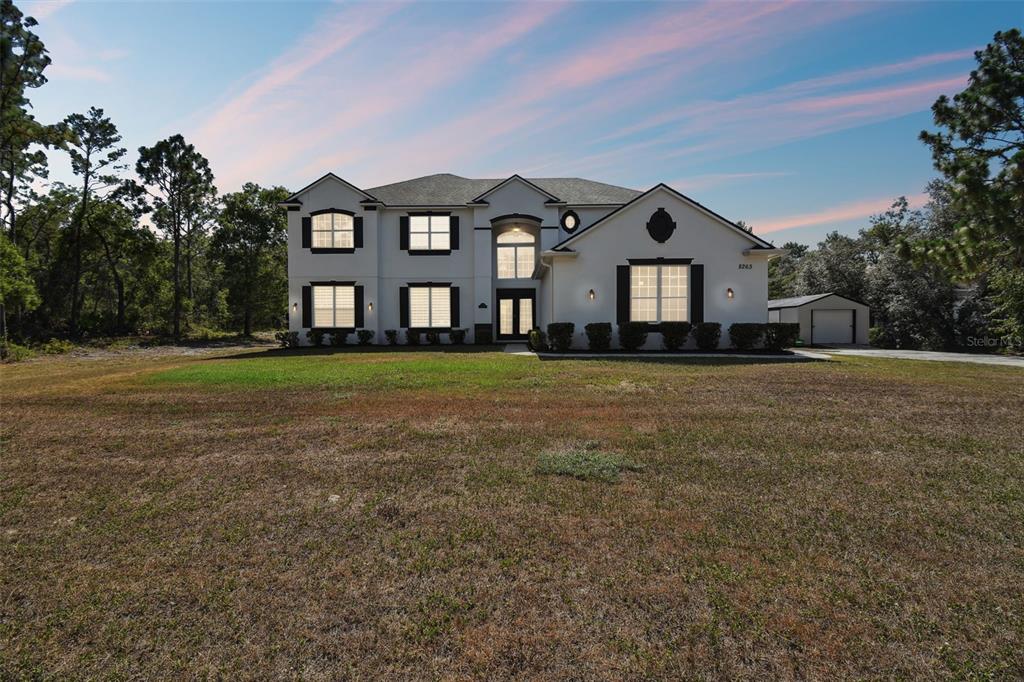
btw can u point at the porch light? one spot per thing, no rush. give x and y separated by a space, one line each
591 294
369 306
729 293
295 307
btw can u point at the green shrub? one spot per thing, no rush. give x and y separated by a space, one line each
584 464
315 336
779 335
392 336
433 337
674 334
632 335
457 336
412 337
746 335
707 335
13 352
56 347
877 337
339 338
365 336
599 335
560 335
287 339
537 341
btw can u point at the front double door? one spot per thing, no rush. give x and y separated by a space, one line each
517 312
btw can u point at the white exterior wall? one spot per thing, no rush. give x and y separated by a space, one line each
802 315
382 268
624 236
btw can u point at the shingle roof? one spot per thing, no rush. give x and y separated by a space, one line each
796 301
445 189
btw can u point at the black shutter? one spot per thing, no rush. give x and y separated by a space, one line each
307 232
621 294
357 238
403 233
454 226
403 307
307 306
697 293
456 320
360 321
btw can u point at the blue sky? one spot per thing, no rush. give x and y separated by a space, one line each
796 117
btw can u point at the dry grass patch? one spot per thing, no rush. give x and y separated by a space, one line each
168 517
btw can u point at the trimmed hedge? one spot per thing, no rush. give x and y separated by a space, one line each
457 336
599 335
537 340
412 337
674 334
286 339
434 337
560 335
365 336
315 336
707 335
746 335
779 335
632 335
338 338
392 336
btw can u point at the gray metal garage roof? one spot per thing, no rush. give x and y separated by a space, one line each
797 301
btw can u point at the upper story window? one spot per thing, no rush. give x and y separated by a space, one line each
334 305
430 306
333 230
658 293
570 221
429 233
515 255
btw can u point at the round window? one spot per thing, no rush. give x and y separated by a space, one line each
570 221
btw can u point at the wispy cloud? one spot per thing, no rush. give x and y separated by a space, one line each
44 9
708 180
65 71
842 212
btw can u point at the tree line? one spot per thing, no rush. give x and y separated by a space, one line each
952 274
156 251
151 248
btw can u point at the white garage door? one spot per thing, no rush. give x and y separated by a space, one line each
832 326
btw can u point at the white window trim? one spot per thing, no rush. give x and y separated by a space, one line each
432 289
334 306
431 231
335 230
658 296
514 248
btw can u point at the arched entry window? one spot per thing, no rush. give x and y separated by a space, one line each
516 255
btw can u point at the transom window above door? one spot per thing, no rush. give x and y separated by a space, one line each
429 233
658 293
333 230
516 255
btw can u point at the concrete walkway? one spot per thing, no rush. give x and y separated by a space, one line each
975 358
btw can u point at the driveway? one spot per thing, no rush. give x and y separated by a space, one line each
976 358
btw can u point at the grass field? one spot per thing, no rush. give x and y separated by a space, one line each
423 515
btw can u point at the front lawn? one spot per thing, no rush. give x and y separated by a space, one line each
427 514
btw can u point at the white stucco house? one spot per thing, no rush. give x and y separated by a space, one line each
498 257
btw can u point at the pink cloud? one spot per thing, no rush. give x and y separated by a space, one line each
848 211
707 180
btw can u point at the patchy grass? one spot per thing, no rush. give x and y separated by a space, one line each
364 515
586 465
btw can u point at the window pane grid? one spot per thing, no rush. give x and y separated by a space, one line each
658 293
429 233
333 231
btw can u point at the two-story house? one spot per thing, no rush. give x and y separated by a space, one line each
500 257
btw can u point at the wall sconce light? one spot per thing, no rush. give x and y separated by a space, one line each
591 294
295 307
729 293
369 306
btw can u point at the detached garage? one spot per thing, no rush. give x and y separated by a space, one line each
825 319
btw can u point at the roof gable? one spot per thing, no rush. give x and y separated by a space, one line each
515 177
758 242
798 301
294 198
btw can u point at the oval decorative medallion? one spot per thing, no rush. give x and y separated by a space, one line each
660 226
